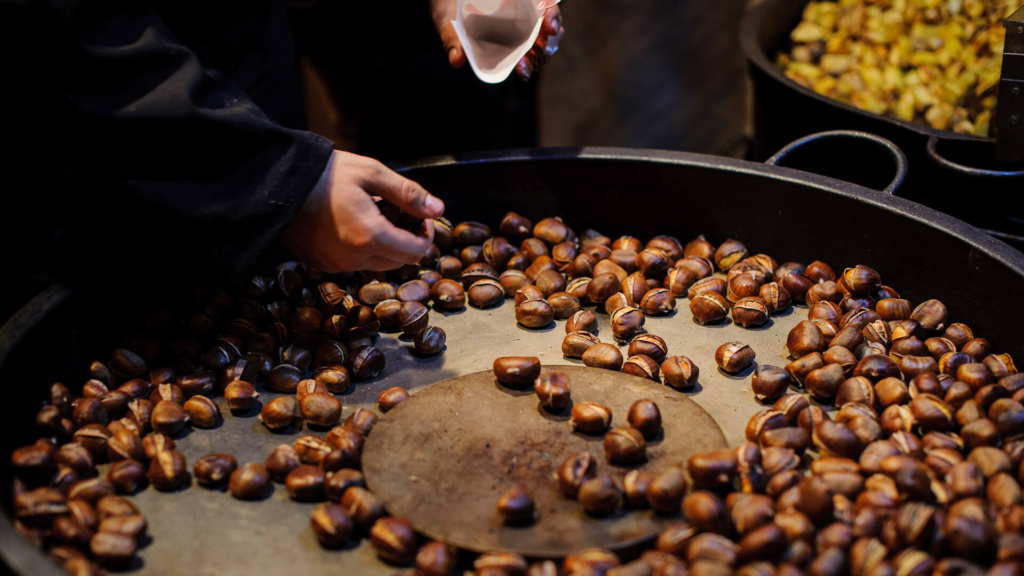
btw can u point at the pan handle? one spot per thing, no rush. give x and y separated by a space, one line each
832 136
932 146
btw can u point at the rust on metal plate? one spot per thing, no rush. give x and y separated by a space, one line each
443 457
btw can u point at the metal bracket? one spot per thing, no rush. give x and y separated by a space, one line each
1010 110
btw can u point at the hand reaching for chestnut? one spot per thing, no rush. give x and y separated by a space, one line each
544 48
339 228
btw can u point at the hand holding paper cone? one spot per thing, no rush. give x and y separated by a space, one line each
498 36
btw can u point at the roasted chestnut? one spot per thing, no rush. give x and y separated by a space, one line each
517 371
603 355
553 391
625 445
429 341
680 372
535 314
642 366
708 307
770 383
734 356
515 506
645 416
590 417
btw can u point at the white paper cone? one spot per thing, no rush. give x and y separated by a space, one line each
496 34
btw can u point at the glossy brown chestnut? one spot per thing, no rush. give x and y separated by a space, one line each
167 470
391 397
603 355
447 294
590 417
763 421
553 391
279 413
708 307
240 396
805 338
368 363
666 490
517 371
627 322
202 412
625 445
823 383
284 378
535 314
790 405
320 409
127 476
834 439
600 496
709 284
282 460
602 287
551 231
576 343
645 416
679 280
680 372
112 549
515 506
312 449
429 342
394 540
168 417
750 312
931 314
214 470
733 357
728 253
860 280
582 320
249 481
331 524
564 304
515 226
305 483
642 366
485 293
770 383
649 345
574 471
635 486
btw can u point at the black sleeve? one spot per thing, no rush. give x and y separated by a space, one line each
138 160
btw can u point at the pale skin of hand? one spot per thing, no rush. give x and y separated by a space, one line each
340 229
443 13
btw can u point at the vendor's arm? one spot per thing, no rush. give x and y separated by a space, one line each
155 163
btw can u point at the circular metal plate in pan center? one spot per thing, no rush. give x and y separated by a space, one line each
443 457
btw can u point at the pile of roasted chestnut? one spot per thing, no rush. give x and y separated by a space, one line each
919 470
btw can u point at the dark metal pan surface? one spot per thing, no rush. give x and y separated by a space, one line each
789 214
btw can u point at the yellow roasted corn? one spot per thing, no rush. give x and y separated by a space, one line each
934 62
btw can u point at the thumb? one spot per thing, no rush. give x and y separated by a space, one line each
452 45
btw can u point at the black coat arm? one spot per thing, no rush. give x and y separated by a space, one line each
153 139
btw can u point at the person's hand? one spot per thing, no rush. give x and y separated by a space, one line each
551 30
546 46
339 228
